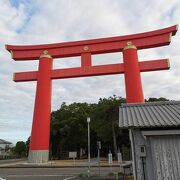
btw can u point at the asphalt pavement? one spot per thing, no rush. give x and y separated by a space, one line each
76 173
58 163
59 170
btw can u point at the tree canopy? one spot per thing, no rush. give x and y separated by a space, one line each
69 127
20 149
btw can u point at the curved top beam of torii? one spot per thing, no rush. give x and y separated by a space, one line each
145 40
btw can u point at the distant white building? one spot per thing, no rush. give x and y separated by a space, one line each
5 147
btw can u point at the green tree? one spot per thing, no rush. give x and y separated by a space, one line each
156 99
69 127
20 149
105 123
28 144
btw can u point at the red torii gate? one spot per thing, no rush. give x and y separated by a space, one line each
131 68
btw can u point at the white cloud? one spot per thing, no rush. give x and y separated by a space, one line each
36 22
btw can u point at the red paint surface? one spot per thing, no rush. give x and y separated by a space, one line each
96 46
134 91
85 59
42 109
145 66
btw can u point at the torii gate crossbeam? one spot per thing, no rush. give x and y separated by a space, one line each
131 68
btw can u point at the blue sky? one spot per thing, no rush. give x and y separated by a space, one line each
25 22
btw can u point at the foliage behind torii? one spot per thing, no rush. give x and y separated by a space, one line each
69 127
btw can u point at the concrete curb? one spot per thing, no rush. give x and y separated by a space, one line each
52 166
56 164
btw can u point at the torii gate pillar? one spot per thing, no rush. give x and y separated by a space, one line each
134 91
39 144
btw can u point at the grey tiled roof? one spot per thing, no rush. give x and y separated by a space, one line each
4 142
147 115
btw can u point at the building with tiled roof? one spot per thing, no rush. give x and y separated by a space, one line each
154 130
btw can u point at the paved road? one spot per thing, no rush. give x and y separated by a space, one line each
7 161
51 173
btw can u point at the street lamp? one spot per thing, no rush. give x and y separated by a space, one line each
88 121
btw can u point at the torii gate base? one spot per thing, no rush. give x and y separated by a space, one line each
131 68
